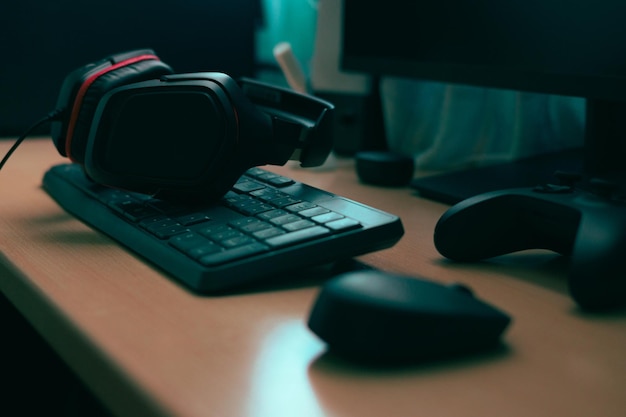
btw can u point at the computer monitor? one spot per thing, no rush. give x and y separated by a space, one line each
573 48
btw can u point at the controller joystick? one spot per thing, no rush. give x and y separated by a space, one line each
589 227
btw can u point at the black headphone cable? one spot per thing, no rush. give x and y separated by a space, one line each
50 117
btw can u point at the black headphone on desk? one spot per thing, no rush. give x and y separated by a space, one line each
134 124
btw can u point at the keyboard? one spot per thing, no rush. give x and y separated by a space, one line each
266 225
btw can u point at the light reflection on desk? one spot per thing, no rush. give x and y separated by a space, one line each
280 383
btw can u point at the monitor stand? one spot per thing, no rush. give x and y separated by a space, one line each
452 187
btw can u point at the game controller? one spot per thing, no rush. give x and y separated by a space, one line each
588 226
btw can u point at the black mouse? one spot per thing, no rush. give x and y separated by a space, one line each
376 316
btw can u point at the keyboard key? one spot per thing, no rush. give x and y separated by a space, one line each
255 208
245 186
205 249
188 241
312 212
281 181
158 222
284 201
298 236
269 215
342 225
214 228
238 200
218 236
237 241
267 194
299 207
193 218
233 254
247 205
266 176
271 178
328 217
254 226
168 231
287 218
194 245
133 209
297 225
275 197
267 233
239 223
255 172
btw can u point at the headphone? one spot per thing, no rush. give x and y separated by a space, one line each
133 124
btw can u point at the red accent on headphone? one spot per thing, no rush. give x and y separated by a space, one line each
83 90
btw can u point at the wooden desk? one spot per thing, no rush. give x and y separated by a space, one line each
147 346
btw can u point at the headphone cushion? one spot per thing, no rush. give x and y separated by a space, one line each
85 105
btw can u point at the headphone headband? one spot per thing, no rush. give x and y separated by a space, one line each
312 116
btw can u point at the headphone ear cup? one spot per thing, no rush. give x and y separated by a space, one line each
139 71
83 88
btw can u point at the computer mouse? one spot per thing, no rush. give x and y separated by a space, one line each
374 316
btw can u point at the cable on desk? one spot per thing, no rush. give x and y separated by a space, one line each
50 117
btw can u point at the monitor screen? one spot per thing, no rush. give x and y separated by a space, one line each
551 46
561 47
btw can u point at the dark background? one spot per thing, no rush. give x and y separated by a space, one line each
41 41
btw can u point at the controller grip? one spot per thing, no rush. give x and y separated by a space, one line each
496 224
597 277
589 233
